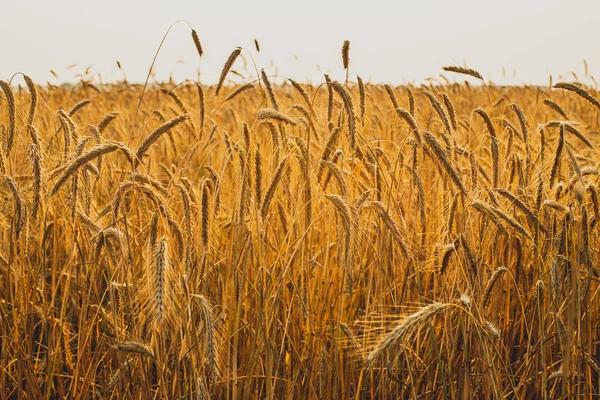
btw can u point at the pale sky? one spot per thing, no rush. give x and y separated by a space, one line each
391 41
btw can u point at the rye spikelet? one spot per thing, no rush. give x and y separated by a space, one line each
555 205
273 187
200 107
270 91
407 326
153 237
134 347
309 121
446 252
474 170
347 100
282 217
35 154
580 91
490 285
519 204
205 208
187 214
228 64
557 154
391 95
361 93
339 177
439 109
595 200
20 208
270 113
464 71
161 264
106 121
196 40
10 100
489 212
68 128
493 145
152 137
78 107
258 175
239 90
512 222
2 161
451 110
522 120
381 209
34 99
347 216
334 160
346 54
553 105
410 120
149 180
439 155
211 341
84 158
411 101
571 129
329 98
575 165
305 97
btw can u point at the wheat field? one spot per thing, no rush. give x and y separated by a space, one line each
277 239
